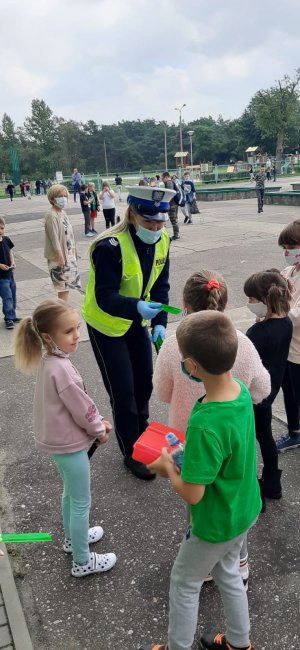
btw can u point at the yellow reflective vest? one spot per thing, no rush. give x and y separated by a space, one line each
131 284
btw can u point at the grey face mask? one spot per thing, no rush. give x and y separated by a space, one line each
57 351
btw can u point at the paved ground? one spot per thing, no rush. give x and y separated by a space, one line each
143 523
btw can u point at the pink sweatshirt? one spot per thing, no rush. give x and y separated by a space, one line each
65 418
177 390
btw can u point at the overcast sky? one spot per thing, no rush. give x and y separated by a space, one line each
109 60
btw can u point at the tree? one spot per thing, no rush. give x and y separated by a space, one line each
41 130
8 130
276 109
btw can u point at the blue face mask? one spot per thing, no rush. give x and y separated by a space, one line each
148 236
185 372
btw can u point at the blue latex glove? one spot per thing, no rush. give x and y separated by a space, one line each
158 330
148 310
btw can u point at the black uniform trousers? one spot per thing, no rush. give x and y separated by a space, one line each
125 363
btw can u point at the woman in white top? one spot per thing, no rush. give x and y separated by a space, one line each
107 196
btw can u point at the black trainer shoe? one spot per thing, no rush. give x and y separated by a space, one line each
153 647
272 484
210 642
262 495
138 469
186 219
17 320
9 324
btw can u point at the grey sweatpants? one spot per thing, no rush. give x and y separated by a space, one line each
195 560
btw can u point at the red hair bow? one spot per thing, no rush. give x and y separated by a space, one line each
213 284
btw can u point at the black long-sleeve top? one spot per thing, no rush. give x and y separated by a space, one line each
108 273
272 339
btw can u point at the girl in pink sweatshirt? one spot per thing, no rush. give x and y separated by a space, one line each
66 422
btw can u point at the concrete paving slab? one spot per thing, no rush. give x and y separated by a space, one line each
143 524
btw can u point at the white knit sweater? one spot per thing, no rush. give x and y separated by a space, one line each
174 388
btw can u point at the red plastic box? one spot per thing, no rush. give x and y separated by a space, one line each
149 445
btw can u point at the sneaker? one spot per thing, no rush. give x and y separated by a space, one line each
153 647
17 320
189 221
288 442
186 219
95 534
208 578
176 237
209 642
262 495
89 234
9 324
94 231
244 571
97 564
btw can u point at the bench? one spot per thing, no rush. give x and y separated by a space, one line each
230 193
282 198
296 186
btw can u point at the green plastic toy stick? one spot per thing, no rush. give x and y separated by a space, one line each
170 310
25 538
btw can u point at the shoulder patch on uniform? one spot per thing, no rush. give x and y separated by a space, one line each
113 241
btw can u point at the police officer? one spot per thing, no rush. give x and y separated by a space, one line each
129 266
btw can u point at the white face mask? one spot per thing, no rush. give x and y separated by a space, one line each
258 308
61 202
292 256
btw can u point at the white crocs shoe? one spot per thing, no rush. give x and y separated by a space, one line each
94 535
97 564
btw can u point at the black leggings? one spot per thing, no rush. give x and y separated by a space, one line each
109 216
125 363
263 426
291 394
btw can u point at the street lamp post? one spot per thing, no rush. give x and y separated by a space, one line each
191 133
166 149
180 131
105 157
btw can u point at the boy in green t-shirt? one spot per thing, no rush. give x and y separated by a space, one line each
218 481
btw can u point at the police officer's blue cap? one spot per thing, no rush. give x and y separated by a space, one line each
150 202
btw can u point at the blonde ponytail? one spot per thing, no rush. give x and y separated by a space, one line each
28 347
29 341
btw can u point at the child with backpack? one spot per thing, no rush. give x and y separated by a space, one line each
66 423
176 201
269 299
85 202
189 193
94 206
217 481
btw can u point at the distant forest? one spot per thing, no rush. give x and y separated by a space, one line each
46 143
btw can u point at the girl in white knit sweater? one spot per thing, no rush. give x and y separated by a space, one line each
205 290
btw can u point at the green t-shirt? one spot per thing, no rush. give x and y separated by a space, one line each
220 453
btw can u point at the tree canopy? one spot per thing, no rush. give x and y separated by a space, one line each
47 143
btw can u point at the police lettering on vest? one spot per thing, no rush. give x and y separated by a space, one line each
161 261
